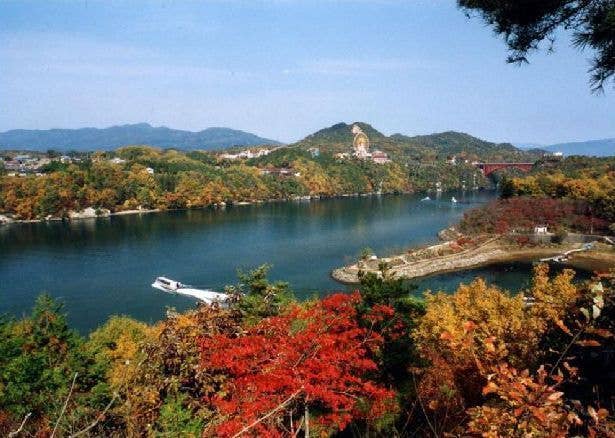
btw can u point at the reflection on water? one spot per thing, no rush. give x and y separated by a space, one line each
514 277
105 266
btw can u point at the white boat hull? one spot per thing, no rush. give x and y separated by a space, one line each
207 296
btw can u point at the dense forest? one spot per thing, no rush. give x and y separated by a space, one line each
585 179
376 362
149 178
574 194
186 180
145 177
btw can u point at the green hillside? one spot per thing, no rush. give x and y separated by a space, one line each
338 138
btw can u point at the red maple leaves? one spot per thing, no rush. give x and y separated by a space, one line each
315 356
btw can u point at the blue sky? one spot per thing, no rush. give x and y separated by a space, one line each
285 68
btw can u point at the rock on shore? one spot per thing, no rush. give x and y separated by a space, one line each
89 212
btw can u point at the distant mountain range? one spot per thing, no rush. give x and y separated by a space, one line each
598 148
90 139
338 138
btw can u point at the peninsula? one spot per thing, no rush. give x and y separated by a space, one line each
452 256
575 229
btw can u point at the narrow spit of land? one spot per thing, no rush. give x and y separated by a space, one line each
449 256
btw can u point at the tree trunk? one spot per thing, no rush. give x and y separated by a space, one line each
307 421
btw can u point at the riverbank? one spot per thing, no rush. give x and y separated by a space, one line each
450 257
88 213
91 213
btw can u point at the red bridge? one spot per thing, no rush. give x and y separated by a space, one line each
489 168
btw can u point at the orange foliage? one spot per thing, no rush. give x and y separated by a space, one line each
477 339
314 356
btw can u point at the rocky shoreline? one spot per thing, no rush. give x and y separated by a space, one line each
87 213
428 261
91 213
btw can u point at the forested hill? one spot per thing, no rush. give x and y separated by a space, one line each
452 142
90 139
338 138
340 133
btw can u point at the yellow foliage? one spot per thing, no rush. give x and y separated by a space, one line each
552 297
119 343
463 325
484 321
314 178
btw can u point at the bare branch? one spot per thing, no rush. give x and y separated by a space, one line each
100 417
70 392
306 417
416 389
18 431
269 414
299 426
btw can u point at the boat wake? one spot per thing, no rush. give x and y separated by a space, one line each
175 287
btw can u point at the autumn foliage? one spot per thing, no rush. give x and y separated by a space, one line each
311 358
187 180
501 366
522 214
478 362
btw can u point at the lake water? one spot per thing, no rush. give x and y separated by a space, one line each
105 266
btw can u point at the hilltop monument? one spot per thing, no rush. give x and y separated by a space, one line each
360 143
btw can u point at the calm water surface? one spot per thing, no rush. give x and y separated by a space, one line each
105 266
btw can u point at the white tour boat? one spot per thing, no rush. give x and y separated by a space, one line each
171 286
453 200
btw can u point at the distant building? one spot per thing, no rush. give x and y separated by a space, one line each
452 160
65 159
380 157
279 171
558 154
12 165
149 170
247 154
541 229
117 160
22 158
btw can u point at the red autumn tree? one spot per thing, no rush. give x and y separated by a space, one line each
314 359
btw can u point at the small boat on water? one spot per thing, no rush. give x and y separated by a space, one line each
426 198
175 287
557 259
454 200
